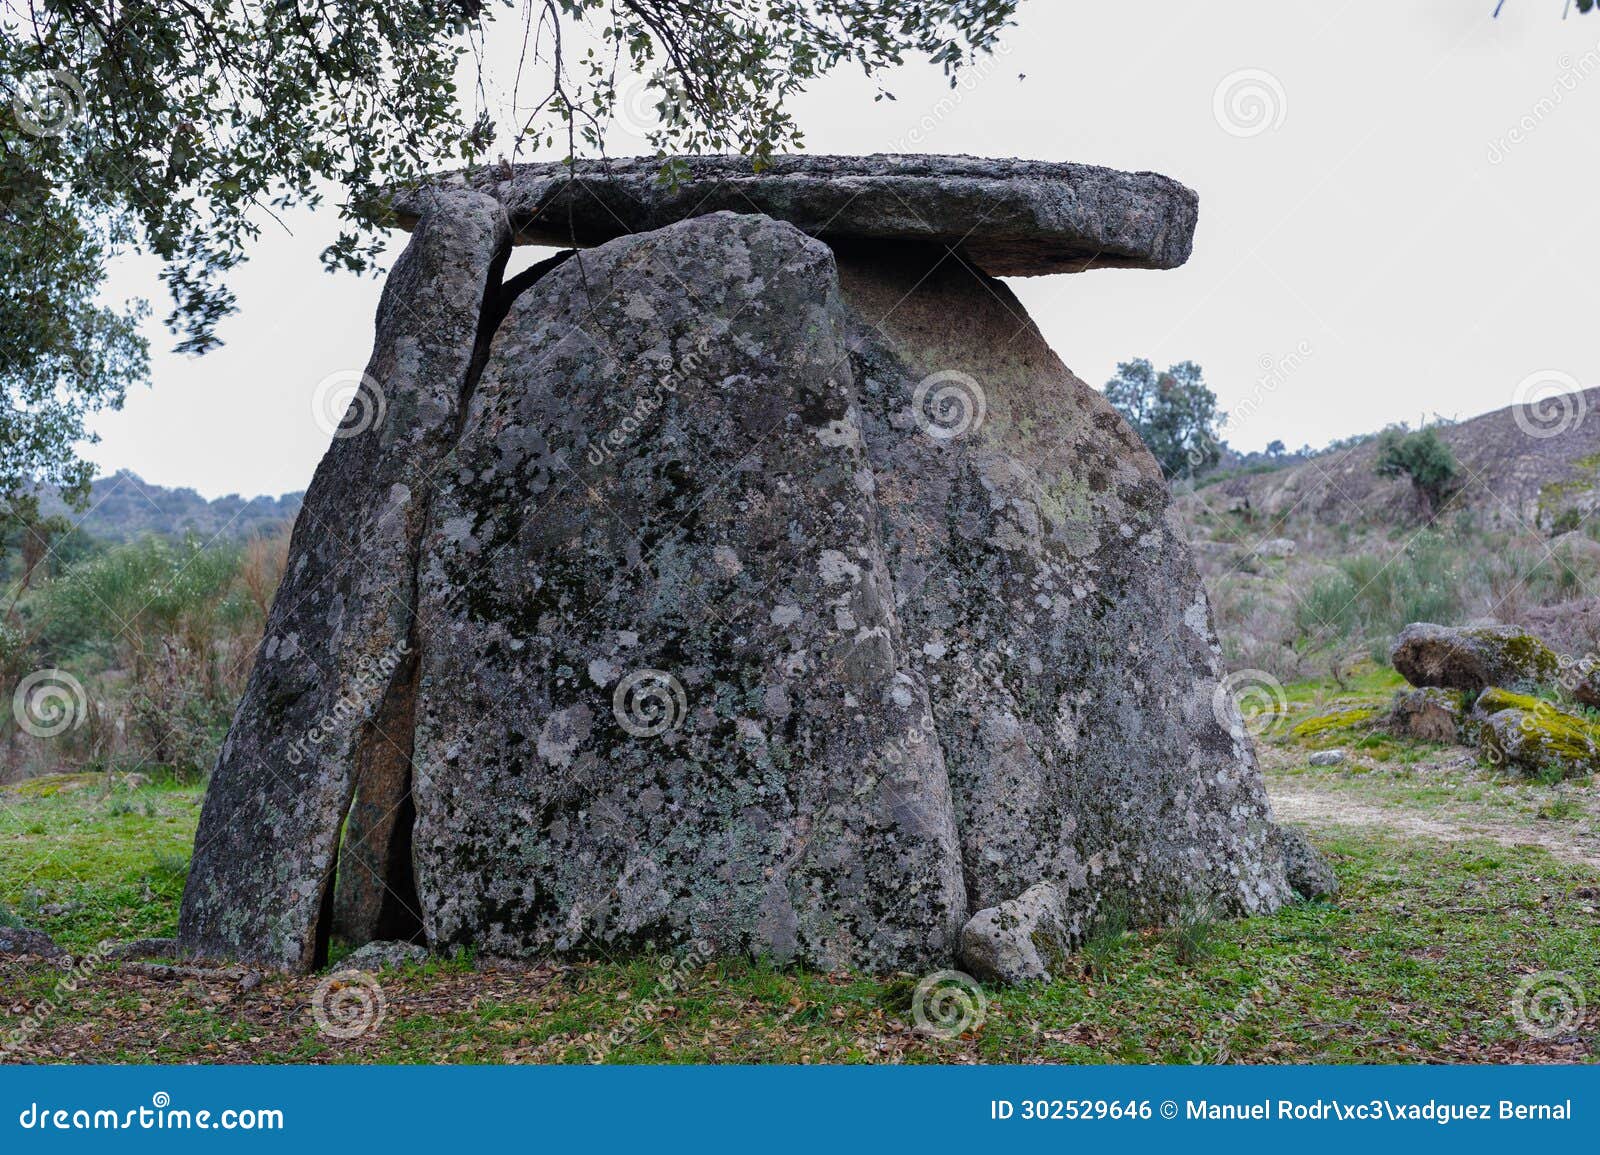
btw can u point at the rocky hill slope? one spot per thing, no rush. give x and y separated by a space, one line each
1322 560
1523 466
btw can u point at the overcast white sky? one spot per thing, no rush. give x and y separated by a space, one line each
1381 228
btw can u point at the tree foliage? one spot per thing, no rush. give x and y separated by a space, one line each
179 127
63 353
1174 413
1584 6
1424 458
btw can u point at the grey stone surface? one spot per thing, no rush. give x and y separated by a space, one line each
1051 605
752 594
336 652
1429 713
1025 939
1327 758
23 942
731 542
384 955
1472 657
1008 217
1309 873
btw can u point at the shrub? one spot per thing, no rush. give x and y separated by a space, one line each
1369 598
1422 457
160 635
1566 521
1328 608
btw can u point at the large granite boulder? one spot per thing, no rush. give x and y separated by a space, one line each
749 592
1430 713
1532 736
1472 657
323 732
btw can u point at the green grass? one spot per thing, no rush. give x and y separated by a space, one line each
1368 681
1416 960
114 857
1403 772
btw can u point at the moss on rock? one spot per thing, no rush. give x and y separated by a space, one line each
1531 735
1323 725
1473 657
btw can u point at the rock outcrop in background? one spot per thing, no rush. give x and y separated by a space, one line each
757 579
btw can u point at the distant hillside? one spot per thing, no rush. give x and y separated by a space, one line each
1513 477
124 506
1315 561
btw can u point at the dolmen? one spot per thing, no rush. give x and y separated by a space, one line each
748 578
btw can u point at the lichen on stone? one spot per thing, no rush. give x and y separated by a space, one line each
1531 735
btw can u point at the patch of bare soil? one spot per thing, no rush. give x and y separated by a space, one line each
1573 842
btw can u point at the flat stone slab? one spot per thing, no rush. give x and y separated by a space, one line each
1012 218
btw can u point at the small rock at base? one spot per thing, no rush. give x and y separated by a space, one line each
16 940
377 956
1308 872
1020 941
141 948
1327 758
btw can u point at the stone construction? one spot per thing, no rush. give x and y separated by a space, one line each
756 579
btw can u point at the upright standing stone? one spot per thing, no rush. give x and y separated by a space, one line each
325 715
